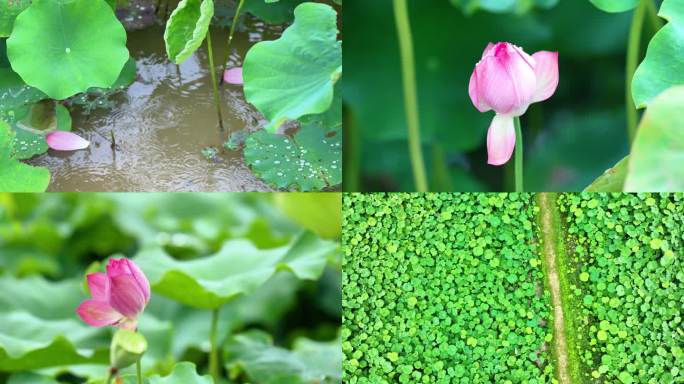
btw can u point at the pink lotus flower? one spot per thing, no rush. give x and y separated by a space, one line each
65 141
119 296
507 80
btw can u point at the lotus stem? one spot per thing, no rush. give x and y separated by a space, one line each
138 368
352 152
230 37
633 50
214 83
410 94
213 354
518 156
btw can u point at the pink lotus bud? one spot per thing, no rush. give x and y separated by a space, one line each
119 296
65 141
507 80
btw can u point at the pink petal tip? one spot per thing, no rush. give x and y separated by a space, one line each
500 140
546 71
98 313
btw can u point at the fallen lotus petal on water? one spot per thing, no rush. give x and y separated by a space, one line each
65 141
233 76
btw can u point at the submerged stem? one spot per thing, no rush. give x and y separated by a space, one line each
138 369
518 156
213 355
230 37
633 49
214 83
410 94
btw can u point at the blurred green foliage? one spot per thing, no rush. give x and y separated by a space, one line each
570 139
49 242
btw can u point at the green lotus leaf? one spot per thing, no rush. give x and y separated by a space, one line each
238 268
264 307
16 176
295 75
615 5
308 362
183 373
311 160
612 180
187 27
15 96
9 9
40 328
30 378
663 66
126 78
658 148
330 119
85 47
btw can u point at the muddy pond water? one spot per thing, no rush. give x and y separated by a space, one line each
161 124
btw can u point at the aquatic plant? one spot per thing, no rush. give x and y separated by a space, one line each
16 176
219 278
56 49
656 84
48 47
119 295
186 29
295 75
442 288
294 79
628 284
618 60
507 80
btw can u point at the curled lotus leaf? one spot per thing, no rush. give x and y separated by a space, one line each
295 75
187 27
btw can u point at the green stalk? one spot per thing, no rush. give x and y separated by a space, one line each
214 83
352 153
213 355
518 156
139 370
633 49
410 94
230 37
441 180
